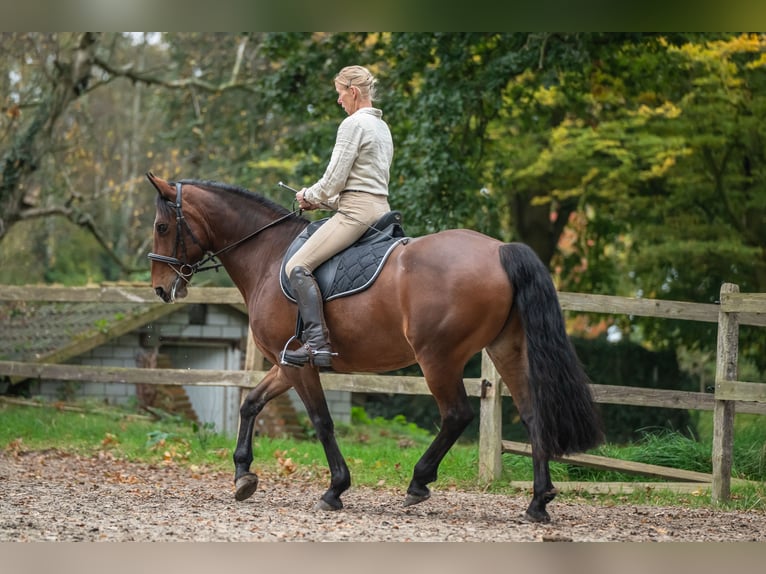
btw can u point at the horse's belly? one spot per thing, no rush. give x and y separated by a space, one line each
365 341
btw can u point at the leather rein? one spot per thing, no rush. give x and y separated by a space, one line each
186 270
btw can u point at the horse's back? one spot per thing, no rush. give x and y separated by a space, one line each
452 258
453 283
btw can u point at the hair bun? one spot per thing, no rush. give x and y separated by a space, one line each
360 77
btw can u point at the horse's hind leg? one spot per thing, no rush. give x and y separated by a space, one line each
543 489
508 353
272 385
310 391
456 413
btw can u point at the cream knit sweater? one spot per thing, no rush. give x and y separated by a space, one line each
360 160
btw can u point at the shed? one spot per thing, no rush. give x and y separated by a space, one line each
193 336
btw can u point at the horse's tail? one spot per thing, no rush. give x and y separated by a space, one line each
564 418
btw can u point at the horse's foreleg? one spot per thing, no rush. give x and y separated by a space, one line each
456 414
272 385
311 393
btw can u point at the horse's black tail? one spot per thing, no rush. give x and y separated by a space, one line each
564 418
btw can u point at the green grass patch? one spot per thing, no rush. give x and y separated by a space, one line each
120 432
380 453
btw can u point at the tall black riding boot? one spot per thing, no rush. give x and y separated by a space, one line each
316 348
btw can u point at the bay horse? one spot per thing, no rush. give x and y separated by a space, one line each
439 300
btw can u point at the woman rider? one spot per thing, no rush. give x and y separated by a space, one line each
356 184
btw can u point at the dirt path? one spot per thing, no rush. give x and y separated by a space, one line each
56 497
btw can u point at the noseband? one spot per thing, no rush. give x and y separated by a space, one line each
182 267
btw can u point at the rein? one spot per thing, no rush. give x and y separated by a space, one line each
185 270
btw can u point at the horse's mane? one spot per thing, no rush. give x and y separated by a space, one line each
241 191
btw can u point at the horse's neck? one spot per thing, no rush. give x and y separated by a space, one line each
250 236
259 257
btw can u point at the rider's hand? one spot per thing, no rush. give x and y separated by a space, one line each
300 198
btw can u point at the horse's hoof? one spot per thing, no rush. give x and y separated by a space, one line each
415 499
246 485
326 506
537 517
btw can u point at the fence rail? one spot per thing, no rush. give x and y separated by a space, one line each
751 307
366 383
734 309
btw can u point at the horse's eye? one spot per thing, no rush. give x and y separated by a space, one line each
162 228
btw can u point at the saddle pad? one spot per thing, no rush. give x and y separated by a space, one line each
355 268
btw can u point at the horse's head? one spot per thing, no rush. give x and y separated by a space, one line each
177 249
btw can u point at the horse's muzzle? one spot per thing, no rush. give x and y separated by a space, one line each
162 294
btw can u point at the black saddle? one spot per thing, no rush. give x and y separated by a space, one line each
355 268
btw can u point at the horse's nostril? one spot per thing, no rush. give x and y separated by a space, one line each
160 292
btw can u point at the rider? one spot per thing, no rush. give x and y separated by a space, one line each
356 184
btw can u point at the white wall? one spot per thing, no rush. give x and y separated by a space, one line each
217 405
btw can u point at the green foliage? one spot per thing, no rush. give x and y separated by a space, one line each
702 226
628 364
203 432
34 253
749 460
396 424
750 450
659 447
675 450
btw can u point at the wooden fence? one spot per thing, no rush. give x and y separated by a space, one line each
730 394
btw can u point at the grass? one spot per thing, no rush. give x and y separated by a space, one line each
380 453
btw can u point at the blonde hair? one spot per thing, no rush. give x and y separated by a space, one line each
359 77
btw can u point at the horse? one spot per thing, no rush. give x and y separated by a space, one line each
439 300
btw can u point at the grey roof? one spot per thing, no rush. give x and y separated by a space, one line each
53 332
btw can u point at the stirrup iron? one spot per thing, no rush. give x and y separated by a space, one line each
312 356
282 360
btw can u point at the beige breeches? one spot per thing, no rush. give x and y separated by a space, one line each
356 212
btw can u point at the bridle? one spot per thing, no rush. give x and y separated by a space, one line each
182 268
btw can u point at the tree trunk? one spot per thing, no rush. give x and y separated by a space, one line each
537 227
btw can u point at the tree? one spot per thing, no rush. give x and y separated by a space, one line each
708 228
704 226
256 108
38 95
82 122
52 139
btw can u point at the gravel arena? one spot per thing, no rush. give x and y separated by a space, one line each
51 496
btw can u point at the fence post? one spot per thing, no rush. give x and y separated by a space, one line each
490 421
723 412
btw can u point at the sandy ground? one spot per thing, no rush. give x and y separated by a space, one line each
50 496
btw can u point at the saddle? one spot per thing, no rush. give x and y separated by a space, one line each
355 268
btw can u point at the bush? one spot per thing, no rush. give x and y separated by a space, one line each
631 365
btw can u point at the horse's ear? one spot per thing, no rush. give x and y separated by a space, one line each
156 182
